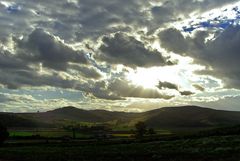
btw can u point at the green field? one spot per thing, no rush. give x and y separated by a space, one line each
61 133
47 134
217 148
221 144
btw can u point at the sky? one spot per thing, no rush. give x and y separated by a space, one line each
119 55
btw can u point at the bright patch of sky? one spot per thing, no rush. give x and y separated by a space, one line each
11 7
216 19
51 93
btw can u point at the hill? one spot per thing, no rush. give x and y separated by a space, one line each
168 117
68 115
191 116
15 120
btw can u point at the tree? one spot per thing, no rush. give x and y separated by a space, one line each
3 134
74 132
151 131
141 129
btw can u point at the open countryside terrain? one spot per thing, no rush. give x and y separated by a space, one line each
213 148
165 121
169 117
196 133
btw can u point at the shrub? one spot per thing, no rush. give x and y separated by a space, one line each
3 134
141 129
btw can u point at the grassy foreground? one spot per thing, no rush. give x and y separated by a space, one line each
216 148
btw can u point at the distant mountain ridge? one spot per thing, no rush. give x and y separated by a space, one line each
167 117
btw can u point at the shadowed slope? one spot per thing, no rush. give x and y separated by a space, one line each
168 117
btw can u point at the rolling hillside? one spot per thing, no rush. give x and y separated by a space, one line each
16 120
71 114
191 116
168 117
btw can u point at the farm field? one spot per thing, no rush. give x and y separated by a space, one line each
46 133
57 133
215 148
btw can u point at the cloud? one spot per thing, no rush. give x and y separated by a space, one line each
114 16
162 14
219 55
119 89
186 93
18 79
98 90
123 49
14 79
27 103
79 20
3 98
198 87
167 85
173 40
222 55
87 71
48 41
42 47
228 103
10 61
184 7
42 59
167 12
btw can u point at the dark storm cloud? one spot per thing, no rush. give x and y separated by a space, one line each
186 93
173 40
162 14
223 55
198 87
167 85
99 90
126 50
86 71
98 20
21 68
18 78
220 54
80 19
9 61
42 47
21 78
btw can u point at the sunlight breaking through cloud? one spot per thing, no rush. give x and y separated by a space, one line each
110 55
